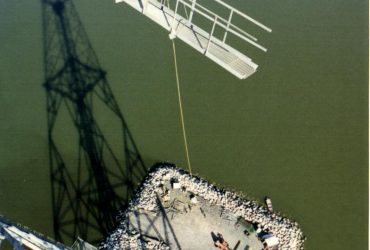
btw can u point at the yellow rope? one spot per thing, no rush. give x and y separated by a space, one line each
180 105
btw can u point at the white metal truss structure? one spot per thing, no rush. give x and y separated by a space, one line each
188 30
22 238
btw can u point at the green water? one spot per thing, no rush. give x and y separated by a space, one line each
296 130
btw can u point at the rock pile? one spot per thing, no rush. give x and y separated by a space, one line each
123 238
289 234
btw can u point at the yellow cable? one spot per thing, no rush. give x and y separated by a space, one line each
180 105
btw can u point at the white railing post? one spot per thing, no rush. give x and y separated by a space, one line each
228 25
211 34
194 2
173 32
145 6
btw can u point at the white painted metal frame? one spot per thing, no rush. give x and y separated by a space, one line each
227 25
185 29
25 238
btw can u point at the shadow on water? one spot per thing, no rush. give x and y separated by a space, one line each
89 187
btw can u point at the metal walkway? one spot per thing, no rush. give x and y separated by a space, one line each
205 42
21 238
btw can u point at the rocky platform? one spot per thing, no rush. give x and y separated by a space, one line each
164 214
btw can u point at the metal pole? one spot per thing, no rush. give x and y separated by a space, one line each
194 2
210 35
228 25
173 33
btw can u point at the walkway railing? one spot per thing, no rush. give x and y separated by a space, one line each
225 24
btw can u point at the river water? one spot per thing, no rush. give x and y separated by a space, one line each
295 131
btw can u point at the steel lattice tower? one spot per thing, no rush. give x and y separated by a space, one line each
88 190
